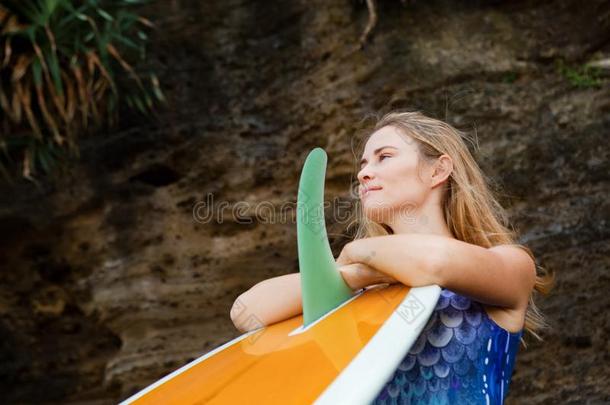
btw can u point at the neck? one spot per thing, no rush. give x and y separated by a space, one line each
427 219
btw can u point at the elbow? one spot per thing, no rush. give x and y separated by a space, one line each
239 314
243 316
237 310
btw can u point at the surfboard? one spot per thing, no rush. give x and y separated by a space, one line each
343 348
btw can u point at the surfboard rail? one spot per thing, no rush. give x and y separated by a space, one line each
362 380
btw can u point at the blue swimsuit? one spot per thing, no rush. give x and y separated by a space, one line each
461 357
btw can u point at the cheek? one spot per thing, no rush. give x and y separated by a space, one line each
402 176
405 188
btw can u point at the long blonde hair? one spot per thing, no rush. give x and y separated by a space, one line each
470 208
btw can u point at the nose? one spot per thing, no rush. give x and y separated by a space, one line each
365 174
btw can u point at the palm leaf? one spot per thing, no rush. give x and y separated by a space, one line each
64 64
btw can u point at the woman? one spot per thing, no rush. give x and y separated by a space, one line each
427 216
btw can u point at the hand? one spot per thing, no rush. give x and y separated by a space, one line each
356 252
360 275
344 259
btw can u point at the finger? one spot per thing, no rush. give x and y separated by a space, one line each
350 276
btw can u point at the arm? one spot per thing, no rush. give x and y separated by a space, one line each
405 258
279 298
502 275
267 302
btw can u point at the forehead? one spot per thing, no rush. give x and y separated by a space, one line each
386 136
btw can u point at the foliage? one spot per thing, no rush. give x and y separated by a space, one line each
65 67
584 76
510 77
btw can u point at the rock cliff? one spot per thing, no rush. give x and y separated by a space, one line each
109 282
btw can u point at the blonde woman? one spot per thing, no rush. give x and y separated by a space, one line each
427 216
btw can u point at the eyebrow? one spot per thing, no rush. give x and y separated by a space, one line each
376 151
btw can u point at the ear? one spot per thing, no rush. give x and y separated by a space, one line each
442 169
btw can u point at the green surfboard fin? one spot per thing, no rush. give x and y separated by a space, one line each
322 286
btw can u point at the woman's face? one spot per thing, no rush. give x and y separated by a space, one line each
389 182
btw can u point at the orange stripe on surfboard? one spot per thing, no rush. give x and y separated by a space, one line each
271 367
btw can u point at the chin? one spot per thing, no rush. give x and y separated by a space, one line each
377 212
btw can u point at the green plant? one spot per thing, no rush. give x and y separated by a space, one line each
65 67
580 76
510 77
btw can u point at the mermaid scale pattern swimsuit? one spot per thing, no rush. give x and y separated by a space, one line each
461 357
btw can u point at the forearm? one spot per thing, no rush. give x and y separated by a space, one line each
268 302
413 260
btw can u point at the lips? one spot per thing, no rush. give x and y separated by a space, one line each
367 189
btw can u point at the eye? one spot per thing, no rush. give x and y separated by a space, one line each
384 156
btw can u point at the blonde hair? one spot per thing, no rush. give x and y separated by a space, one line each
470 209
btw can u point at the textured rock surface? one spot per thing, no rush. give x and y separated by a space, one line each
108 282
